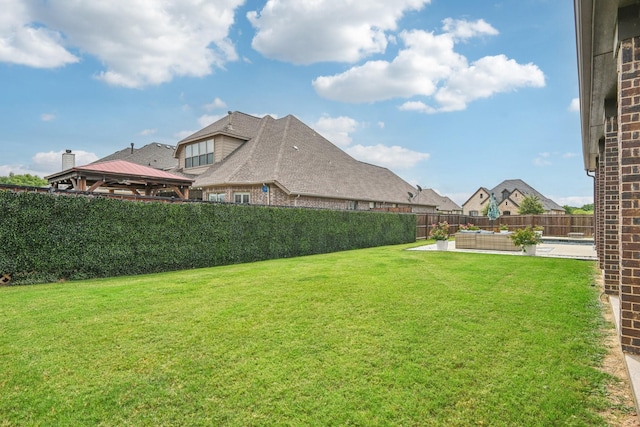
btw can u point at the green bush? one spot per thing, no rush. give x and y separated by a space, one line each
47 237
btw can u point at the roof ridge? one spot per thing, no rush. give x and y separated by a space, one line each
254 143
282 143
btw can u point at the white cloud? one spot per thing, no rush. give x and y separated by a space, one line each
47 117
417 106
147 132
47 163
485 77
569 155
381 125
215 105
429 66
394 157
336 129
462 30
574 105
24 43
141 42
304 32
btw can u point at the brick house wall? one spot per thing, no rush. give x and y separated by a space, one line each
629 143
274 196
609 251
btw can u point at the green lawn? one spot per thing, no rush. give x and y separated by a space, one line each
378 336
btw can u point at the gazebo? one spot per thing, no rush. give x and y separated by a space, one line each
121 175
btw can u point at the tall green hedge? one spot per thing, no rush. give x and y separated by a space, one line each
45 238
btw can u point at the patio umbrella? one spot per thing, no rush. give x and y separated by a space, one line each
493 213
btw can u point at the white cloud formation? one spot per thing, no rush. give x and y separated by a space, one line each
574 105
336 129
141 42
47 163
216 104
47 117
485 77
462 30
428 66
304 32
24 43
394 157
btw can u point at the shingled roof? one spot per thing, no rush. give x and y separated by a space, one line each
155 155
510 185
298 159
443 203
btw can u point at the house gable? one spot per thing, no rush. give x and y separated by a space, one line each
475 204
301 163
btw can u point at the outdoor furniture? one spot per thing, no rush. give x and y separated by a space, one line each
487 241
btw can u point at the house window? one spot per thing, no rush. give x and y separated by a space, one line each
506 213
241 198
352 205
216 197
473 213
199 154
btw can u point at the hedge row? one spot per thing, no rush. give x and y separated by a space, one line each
46 238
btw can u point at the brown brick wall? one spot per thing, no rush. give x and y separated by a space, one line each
610 258
599 209
629 137
276 197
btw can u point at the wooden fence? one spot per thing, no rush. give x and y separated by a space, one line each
554 225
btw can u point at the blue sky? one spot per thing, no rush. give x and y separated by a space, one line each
449 94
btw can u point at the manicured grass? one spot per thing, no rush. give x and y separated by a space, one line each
378 336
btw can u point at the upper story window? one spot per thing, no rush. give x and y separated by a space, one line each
199 154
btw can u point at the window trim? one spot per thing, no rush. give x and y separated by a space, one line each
194 159
242 194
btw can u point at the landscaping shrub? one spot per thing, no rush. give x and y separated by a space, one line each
53 237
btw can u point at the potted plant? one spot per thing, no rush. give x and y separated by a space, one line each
527 239
504 228
468 228
440 232
538 229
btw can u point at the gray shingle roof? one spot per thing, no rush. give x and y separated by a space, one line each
517 184
443 203
155 155
288 152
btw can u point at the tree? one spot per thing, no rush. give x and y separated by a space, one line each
26 180
531 205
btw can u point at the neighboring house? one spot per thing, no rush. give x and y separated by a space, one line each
245 159
155 155
444 205
608 41
509 194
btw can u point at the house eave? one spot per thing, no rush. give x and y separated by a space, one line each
596 26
